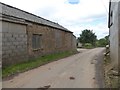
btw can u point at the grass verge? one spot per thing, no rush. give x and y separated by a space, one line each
21 67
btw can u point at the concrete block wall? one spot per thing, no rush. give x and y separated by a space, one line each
14 43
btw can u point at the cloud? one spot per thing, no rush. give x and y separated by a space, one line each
85 14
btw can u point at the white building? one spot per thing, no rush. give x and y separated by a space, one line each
114 31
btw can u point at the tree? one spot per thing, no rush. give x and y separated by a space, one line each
107 39
103 41
87 36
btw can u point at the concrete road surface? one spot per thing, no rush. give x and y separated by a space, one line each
77 71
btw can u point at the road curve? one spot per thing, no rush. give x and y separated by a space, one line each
76 71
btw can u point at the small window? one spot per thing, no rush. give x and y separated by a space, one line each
36 41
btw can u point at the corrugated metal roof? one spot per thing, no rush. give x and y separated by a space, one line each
18 13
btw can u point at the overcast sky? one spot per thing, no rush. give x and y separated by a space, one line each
75 15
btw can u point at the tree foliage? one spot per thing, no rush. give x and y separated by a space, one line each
103 41
87 36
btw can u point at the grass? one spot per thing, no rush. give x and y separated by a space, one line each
17 68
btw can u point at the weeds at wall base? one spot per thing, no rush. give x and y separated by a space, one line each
112 77
22 67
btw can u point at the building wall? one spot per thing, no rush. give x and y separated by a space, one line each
0 43
119 35
14 43
18 29
114 34
17 42
53 40
74 42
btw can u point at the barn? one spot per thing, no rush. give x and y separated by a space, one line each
24 36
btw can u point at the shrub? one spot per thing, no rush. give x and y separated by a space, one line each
88 45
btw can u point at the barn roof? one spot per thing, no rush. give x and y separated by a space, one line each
18 13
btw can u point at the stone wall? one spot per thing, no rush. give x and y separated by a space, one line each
14 43
53 40
74 43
